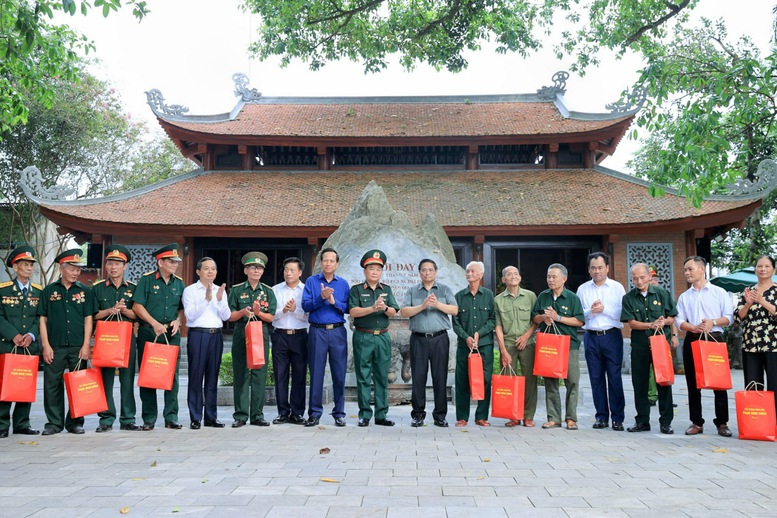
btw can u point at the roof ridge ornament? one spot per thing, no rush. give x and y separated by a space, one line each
631 103
548 93
156 101
31 182
765 180
242 90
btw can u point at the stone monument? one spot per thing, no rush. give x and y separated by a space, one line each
373 223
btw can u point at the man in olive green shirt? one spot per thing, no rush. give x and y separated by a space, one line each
371 304
474 328
113 297
560 307
66 308
648 308
514 333
247 299
158 305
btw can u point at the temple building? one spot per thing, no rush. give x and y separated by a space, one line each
513 179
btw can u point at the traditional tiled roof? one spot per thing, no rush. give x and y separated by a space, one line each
518 199
399 119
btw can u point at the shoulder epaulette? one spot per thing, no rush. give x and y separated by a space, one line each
95 283
237 285
36 285
152 272
132 283
6 284
267 286
179 278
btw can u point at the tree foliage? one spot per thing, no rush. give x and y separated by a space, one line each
82 140
34 49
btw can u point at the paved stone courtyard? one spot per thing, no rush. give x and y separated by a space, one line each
292 471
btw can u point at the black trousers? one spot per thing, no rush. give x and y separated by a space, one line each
754 366
694 394
204 352
424 352
290 356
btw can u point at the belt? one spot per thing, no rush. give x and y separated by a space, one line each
372 331
717 335
289 331
430 335
206 330
605 332
327 326
143 323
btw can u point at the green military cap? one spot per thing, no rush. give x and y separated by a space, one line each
257 258
21 253
118 253
168 252
73 256
373 257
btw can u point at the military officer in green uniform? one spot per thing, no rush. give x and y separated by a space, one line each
158 306
66 311
113 297
19 329
371 305
246 299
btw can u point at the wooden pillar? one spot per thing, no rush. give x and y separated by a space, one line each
472 161
313 242
589 155
551 156
247 157
324 158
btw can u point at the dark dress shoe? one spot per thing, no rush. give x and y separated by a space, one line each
214 424
694 430
50 430
238 423
312 421
364 422
617 426
130 426
260 422
103 428
77 429
147 427
173 425
724 430
653 403
416 423
340 421
297 419
442 423
3 433
600 424
384 422
26 431
281 419
195 425
639 427
665 428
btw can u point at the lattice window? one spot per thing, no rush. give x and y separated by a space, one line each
655 254
142 260
398 155
518 154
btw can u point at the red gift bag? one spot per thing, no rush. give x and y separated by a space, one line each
507 396
85 391
551 355
710 359
158 366
477 382
663 367
18 377
255 344
112 343
756 417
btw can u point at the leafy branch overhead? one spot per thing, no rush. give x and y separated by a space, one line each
440 32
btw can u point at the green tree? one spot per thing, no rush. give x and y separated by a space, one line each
34 49
82 141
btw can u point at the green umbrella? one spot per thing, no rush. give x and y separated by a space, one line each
737 281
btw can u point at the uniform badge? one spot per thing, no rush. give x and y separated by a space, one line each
55 296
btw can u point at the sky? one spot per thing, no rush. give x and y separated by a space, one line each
189 50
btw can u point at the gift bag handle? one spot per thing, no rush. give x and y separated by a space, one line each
473 351
117 315
25 349
511 371
78 365
755 384
163 334
554 327
708 337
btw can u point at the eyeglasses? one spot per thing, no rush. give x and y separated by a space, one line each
254 267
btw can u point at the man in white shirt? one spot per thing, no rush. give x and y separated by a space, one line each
602 298
703 308
290 344
206 309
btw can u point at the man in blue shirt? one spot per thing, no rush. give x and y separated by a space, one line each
325 298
